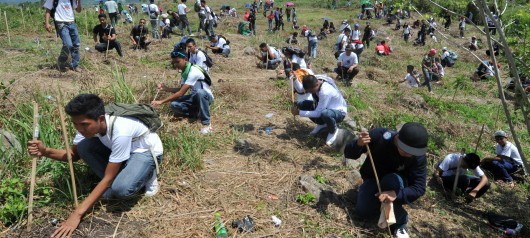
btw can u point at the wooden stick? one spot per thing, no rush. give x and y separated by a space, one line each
116 229
23 19
33 164
479 137
7 27
67 146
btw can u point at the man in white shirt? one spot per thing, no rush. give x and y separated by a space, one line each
356 33
183 16
197 56
119 150
208 20
270 57
507 161
219 45
446 57
153 11
347 64
64 20
291 58
473 186
112 10
411 77
197 103
330 107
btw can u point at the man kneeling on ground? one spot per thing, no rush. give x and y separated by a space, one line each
107 36
139 36
327 109
401 166
473 186
347 64
270 57
219 45
119 150
197 103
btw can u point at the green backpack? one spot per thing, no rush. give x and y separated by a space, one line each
143 112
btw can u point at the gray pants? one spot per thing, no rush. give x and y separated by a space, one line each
154 28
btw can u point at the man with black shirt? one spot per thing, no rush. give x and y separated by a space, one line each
107 36
401 166
139 36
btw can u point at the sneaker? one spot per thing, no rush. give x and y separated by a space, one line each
206 130
331 137
402 233
151 186
317 129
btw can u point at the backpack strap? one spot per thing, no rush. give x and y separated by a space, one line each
204 73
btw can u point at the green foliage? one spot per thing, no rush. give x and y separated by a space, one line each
320 179
186 147
306 198
13 200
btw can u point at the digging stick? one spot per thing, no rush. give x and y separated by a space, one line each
479 137
33 164
68 149
23 19
460 163
108 43
7 27
378 184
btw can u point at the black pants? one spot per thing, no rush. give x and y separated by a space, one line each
465 183
102 47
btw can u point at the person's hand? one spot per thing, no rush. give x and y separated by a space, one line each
156 103
350 69
439 180
67 228
36 148
473 193
295 111
386 196
363 138
162 87
48 26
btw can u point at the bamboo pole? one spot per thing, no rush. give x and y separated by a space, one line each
68 149
33 164
7 27
23 19
86 22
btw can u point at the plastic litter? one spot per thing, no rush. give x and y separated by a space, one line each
244 225
269 115
277 222
268 130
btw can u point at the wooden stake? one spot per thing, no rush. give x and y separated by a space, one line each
7 27
479 137
33 164
67 146
23 19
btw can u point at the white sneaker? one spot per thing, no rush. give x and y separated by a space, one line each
151 186
331 137
317 129
402 233
205 130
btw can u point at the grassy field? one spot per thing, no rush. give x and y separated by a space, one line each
206 174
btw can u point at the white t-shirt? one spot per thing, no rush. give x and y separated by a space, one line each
348 60
277 54
411 81
199 59
329 97
509 150
152 8
182 9
300 61
450 164
445 54
64 11
195 80
355 34
221 43
112 6
121 144
165 22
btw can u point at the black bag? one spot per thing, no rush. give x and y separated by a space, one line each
197 7
209 60
143 112
505 224
207 78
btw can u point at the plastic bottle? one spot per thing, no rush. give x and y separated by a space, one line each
220 229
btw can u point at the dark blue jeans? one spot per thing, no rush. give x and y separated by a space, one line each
70 37
133 174
368 205
330 117
194 104
465 183
428 77
501 169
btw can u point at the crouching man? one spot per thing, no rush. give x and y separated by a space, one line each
400 162
120 150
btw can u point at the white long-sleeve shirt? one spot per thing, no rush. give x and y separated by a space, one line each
509 150
329 97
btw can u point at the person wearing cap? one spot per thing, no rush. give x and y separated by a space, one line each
473 186
107 36
506 161
347 64
355 33
401 164
327 109
219 45
194 97
344 25
270 57
473 44
427 66
446 58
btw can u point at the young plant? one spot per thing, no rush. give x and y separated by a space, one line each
306 198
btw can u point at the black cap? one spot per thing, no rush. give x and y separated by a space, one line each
413 138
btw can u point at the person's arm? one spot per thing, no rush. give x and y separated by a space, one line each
67 228
131 36
95 37
355 148
480 185
271 54
172 97
112 37
37 148
47 24
417 181
323 103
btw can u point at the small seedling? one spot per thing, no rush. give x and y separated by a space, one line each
320 179
305 198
